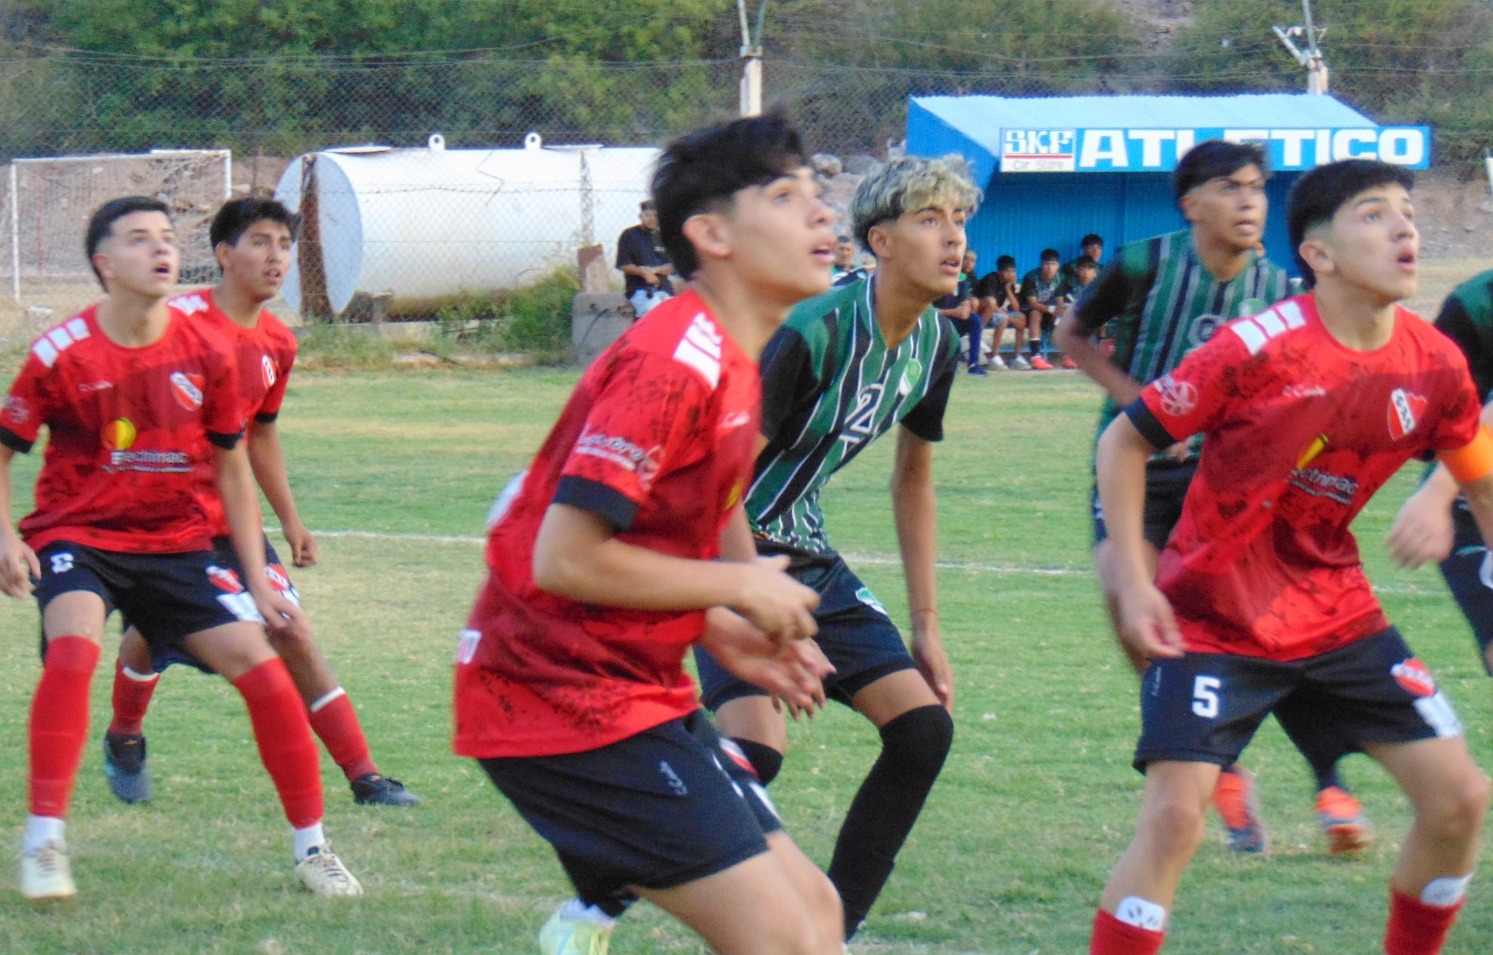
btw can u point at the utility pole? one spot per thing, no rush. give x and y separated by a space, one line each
751 61
1311 57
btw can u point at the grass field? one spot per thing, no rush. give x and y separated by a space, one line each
396 471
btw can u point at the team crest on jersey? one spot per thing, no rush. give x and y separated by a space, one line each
911 373
1177 397
186 388
1405 411
16 410
119 434
1414 677
269 370
224 579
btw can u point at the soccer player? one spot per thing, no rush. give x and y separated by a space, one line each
1260 596
570 688
251 239
1436 515
1164 297
138 400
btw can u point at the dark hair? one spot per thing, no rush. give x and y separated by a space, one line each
237 215
645 205
1084 262
1005 262
1318 195
101 224
703 170
1051 255
843 238
1214 158
1093 238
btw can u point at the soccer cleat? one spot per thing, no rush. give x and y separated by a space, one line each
46 874
1234 798
1040 363
565 936
978 372
125 768
1343 821
1069 363
375 790
324 874
1021 364
997 363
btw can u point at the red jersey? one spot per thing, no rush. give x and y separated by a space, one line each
1299 432
657 439
263 355
129 432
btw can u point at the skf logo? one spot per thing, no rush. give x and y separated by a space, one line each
269 370
224 579
119 434
1405 410
1414 677
1178 398
187 390
16 410
1038 142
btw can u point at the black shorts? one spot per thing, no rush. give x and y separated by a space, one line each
1205 707
1166 488
665 807
855 633
167 597
1468 573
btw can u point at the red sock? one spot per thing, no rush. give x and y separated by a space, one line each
1415 927
1113 937
59 723
131 700
336 723
284 739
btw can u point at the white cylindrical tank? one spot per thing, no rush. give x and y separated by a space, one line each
428 225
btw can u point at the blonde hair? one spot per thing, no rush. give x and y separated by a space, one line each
909 184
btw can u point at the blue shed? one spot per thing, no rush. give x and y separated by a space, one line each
1056 168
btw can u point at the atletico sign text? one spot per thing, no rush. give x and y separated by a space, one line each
1130 150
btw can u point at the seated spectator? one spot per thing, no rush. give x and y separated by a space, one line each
1085 270
1039 298
959 308
998 304
644 264
843 270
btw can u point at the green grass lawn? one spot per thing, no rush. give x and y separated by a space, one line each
396 470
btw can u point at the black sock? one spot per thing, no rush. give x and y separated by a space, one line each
913 747
764 759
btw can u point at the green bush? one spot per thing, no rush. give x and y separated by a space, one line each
533 320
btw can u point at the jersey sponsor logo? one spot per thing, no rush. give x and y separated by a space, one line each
700 349
119 434
1303 391
623 453
48 347
225 579
1405 411
186 388
1414 677
270 373
17 411
1256 330
1178 398
1319 483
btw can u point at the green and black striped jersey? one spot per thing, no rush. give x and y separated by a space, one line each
830 386
1467 318
1163 302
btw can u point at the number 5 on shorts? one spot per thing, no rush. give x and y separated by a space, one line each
1205 696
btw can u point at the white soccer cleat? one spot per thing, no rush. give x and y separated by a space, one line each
567 936
46 874
324 874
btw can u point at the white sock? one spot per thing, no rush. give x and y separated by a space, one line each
1136 911
41 830
307 838
1445 892
577 911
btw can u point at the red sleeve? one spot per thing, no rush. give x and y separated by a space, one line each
1458 424
222 404
1192 398
25 406
645 421
281 350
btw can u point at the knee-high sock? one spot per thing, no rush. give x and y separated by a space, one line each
284 740
1113 937
335 722
1416 927
132 695
59 723
913 747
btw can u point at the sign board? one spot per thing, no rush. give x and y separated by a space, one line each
1157 150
